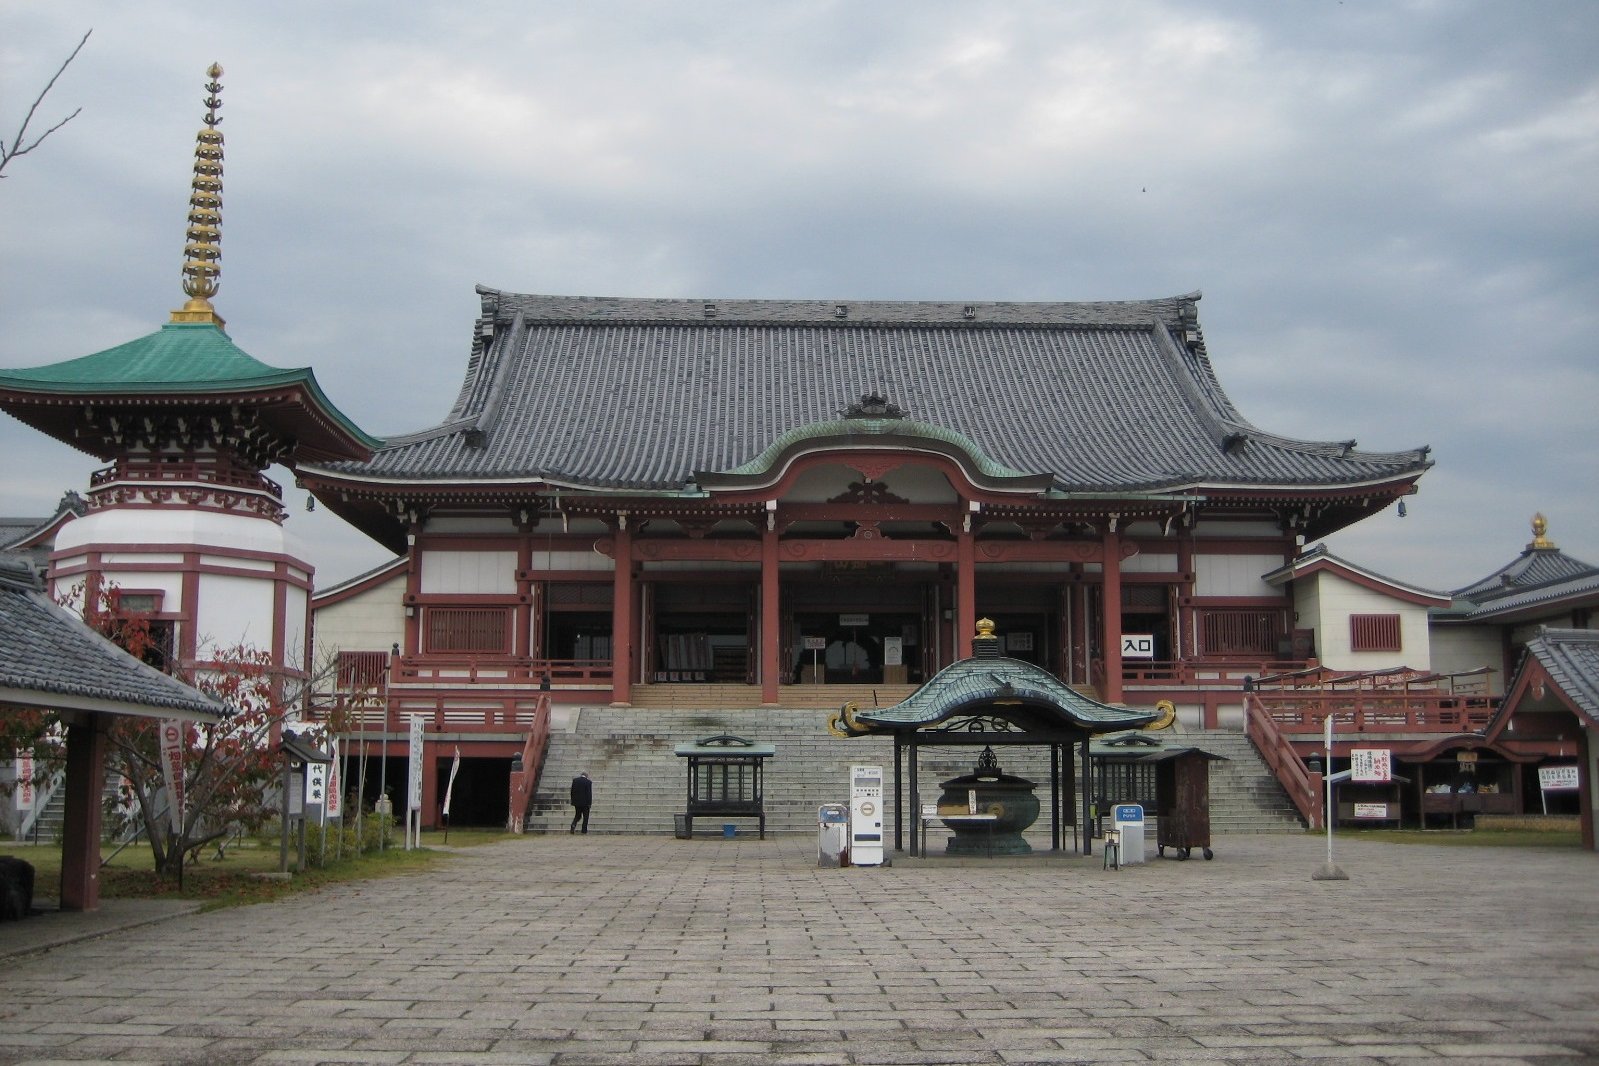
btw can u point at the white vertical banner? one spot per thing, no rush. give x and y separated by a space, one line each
455 768
414 800
24 792
335 807
172 767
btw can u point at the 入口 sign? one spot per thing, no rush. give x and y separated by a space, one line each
1138 645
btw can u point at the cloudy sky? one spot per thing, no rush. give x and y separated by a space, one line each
1390 207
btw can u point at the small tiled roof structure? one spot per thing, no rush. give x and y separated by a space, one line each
49 659
617 395
1570 659
1540 580
1320 560
36 536
182 366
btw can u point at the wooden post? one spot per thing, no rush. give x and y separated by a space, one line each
622 615
771 621
80 831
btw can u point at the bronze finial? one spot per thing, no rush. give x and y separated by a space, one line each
202 254
1540 529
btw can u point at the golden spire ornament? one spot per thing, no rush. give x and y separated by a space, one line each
1540 534
202 254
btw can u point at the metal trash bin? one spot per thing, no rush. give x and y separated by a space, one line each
680 827
832 835
1129 827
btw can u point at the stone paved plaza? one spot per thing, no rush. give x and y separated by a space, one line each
603 949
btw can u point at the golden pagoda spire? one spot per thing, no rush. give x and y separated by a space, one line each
202 255
1540 533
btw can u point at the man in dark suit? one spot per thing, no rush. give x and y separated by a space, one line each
582 800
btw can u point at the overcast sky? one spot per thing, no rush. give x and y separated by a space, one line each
1391 208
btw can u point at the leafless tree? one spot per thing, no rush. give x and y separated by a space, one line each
20 144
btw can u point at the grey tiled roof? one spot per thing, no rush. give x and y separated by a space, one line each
1533 568
643 394
1582 587
48 654
1571 656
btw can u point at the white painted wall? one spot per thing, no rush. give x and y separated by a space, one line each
453 572
1234 575
373 620
1150 564
233 610
1338 598
568 560
1456 649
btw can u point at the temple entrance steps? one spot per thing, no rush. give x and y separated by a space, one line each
742 697
639 783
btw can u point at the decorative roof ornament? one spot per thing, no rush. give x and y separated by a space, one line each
874 406
202 254
1540 530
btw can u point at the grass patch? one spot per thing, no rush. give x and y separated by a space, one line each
1473 838
232 881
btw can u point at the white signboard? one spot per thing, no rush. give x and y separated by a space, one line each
1138 645
172 769
1371 765
893 651
854 619
815 643
414 799
1371 810
1558 778
316 785
24 792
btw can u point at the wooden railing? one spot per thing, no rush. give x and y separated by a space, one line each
507 669
525 781
1203 671
1304 713
1302 787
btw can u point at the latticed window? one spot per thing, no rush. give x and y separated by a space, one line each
361 669
468 629
1374 632
1240 631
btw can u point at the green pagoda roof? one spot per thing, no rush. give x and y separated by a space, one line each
184 364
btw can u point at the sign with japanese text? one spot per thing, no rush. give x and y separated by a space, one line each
24 792
335 806
854 619
1371 765
414 796
1138 645
172 768
1558 778
316 785
815 643
1371 810
893 651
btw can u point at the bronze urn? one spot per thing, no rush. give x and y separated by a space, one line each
1008 798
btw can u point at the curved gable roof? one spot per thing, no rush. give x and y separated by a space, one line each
642 395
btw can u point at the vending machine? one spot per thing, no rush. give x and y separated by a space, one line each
866 816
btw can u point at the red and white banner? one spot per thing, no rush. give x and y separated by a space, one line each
172 768
24 792
335 807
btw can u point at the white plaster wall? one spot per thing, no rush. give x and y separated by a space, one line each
234 610
451 572
1338 599
499 524
1456 649
200 528
568 560
1235 575
373 620
1150 564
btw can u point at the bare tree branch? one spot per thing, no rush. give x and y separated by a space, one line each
20 145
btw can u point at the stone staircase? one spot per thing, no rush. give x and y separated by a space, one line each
639 783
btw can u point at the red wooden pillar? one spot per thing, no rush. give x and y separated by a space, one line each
413 587
1113 614
429 815
965 593
622 616
80 830
771 620
526 640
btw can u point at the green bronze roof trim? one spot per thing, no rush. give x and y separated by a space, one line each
963 686
843 429
179 357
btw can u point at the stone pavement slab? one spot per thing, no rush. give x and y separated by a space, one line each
601 949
